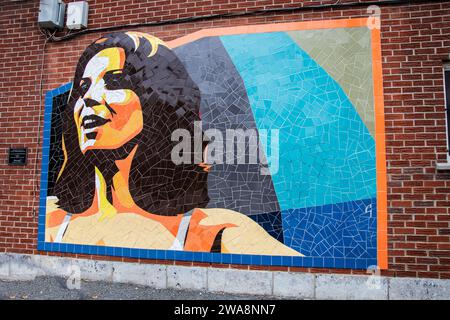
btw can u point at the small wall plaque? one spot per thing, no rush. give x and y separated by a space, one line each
17 156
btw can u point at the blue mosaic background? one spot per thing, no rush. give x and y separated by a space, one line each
343 230
327 155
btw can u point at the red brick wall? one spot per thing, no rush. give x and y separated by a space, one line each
415 41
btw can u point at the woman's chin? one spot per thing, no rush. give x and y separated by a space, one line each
97 146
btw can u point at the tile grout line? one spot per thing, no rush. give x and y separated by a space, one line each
207 279
314 286
388 288
273 282
167 278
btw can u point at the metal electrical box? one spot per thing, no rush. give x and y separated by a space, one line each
77 15
51 14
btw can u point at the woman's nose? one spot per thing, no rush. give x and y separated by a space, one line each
95 92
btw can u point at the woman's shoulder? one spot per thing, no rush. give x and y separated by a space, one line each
248 237
54 215
214 216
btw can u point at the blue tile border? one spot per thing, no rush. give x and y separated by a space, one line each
45 156
246 259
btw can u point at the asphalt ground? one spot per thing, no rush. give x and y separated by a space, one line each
53 288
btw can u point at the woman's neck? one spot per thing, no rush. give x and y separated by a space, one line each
112 195
121 199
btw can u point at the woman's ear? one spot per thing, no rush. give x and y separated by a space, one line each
205 154
206 167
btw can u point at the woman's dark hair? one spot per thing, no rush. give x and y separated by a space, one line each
170 100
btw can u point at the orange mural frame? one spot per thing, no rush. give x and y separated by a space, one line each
382 250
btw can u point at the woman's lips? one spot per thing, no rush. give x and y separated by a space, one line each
93 121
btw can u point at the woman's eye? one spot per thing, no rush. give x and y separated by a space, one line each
84 85
113 81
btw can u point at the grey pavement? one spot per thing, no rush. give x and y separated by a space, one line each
53 288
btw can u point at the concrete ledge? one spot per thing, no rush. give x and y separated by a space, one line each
143 274
240 281
344 287
4 266
294 285
280 284
22 268
95 270
186 278
419 289
19 267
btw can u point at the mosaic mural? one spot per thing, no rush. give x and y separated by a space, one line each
238 145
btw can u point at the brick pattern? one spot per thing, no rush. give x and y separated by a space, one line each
415 41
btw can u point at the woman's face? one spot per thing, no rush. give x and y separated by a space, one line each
106 115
